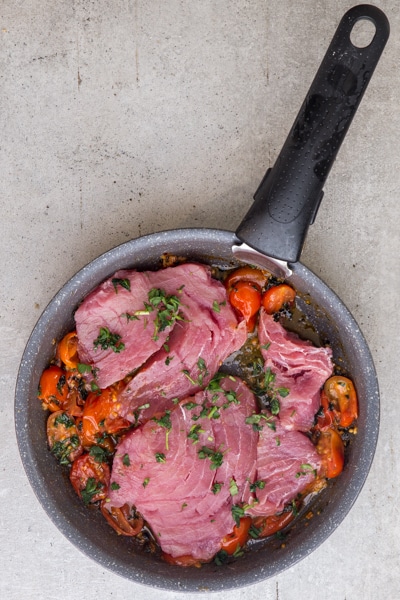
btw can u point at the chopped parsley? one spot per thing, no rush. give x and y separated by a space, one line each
65 420
254 532
167 307
63 448
215 457
257 485
90 490
160 457
203 372
257 420
194 432
124 283
305 469
146 482
237 513
233 488
216 487
99 454
107 340
115 486
83 368
164 421
126 461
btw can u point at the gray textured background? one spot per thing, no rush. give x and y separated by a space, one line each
124 117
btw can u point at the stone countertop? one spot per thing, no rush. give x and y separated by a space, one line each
124 118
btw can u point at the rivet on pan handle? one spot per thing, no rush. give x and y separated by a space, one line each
287 199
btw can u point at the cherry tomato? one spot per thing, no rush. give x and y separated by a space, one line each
67 350
330 417
246 298
273 524
90 478
53 388
100 415
238 537
331 449
278 296
342 395
246 274
123 520
63 438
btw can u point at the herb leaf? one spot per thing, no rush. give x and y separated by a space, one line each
124 283
92 488
215 457
107 340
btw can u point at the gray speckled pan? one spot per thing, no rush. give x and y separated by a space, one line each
86 528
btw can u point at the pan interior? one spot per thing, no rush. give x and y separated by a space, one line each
87 529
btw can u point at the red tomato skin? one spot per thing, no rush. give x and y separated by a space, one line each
273 524
67 350
58 432
245 297
331 449
238 537
248 274
53 388
85 467
278 296
342 395
100 415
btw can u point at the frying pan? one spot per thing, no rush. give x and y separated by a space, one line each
272 234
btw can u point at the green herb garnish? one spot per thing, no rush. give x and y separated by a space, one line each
92 488
216 487
257 485
107 340
215 457
124 283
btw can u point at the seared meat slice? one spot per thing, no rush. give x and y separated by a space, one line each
184 470
129 318
299 367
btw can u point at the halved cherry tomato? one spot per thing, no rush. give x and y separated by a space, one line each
63 438
100 415
246 274
330 417
67 350
278 296
246 298
181 561
331 449
273 524
342 395
53 388
90 478
238 537
124 520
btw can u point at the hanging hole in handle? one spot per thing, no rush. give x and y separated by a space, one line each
363 33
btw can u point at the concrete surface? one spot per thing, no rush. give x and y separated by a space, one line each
127 117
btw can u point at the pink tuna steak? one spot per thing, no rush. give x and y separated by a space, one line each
186 469
128 319
299 367
287 463
193 352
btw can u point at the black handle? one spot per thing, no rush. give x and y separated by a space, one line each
287 199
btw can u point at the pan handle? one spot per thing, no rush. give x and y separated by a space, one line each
288 197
